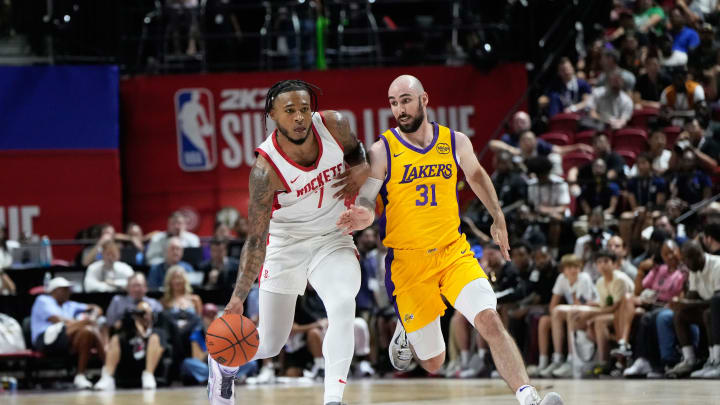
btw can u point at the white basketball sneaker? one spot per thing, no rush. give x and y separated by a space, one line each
221 387
551 398
400 354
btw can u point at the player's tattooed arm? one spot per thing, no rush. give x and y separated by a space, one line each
262 186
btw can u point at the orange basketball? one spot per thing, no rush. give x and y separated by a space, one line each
232 340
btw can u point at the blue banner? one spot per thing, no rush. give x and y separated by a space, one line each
59 107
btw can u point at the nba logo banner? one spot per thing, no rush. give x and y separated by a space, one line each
195 121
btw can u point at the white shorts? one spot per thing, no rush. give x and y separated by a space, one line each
475 297
290 261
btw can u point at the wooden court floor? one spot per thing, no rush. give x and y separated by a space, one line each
405 392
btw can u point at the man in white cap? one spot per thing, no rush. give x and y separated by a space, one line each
59 326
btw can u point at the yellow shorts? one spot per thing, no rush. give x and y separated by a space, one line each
416 280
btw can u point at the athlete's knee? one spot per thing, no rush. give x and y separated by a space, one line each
433 364
489 324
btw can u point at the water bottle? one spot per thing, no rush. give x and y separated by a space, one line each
45 252
46 280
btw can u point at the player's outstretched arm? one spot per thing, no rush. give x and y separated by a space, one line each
362 214
262 184
482 186
352 179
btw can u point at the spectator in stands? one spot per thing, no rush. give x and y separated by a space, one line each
548 197
173 256
612 287
94 253
650 84
657 154
509 182
648 17
682 98
695 139
645 191
614 162
685 39
158 243
220 270
365 299
6 247
134 244
530 146
7 287
178 294
610 103
566 90
519 124
135 351
108 274
704 284
596 238
711 238
136 290
600 192
610 60
704 57
576 290
689 183
617 246
236 243
661 284
59 326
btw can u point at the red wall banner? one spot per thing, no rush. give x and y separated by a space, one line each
189 140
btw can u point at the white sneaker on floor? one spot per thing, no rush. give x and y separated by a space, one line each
547 372
148 381
640 367
266 375
105 383
81 382
713 373
400 354
552 398
452 369
564 371
220 388
476 366
365 369
708 366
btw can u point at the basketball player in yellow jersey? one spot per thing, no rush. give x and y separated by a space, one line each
414 168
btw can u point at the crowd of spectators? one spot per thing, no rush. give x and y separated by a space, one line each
607 189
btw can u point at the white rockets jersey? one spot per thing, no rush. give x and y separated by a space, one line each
306 208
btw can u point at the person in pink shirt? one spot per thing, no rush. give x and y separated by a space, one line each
660 285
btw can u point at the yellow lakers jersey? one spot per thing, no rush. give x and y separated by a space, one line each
419 195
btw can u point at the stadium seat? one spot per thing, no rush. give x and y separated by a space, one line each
556 138
642 117
630 139
671 134
585 137
628 155
565 123
575 159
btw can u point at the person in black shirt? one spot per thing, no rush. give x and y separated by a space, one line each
646 190
614 163
688 183
651 84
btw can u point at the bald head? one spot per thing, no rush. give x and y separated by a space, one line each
406 84
408 101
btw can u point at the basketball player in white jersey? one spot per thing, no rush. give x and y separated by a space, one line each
292 237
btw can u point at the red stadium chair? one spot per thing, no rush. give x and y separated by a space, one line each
628 155
671 134
641 117
630 139
565 123
556 138
575 159
585 137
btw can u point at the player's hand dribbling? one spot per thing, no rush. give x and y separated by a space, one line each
235 306
499 233
355 218
351 180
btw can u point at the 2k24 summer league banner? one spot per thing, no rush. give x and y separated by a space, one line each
189 140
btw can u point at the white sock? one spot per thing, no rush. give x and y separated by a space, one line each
558 357
543 361
715 353
464 358
481 353
622 342
525 392
688 353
